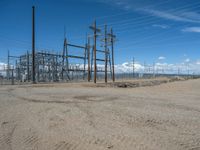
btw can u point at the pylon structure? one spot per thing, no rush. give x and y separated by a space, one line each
65 65
108 40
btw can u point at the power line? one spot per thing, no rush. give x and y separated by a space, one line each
124 22
132 28
155 44
125 13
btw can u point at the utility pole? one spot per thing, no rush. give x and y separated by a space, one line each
63 57
178 71
188 71
106 54
88 53
95 46
153 69
8 66
133 67
95 30
33 44
12 76
112 49
144 68
27 66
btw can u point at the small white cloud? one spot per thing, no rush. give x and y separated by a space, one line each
128 67
187 60
184 55
160 26
161 58
3 66
191 29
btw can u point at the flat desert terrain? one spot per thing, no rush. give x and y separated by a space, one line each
82 116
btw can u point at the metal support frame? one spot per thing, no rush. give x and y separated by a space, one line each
52 67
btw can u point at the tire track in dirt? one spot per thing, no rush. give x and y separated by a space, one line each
181 107
195 148
85 143
100 143
86 110
63 145
7 135
77 100
190 144
31 140
27 139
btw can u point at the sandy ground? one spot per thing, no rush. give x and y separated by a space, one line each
85 117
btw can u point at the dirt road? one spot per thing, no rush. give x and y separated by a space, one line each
84 117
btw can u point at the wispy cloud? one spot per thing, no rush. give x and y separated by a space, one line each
187 60
175 16
182 68
161 58
122 4
162 26
191 29
181 15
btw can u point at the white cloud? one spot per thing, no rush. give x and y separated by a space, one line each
187 60
3 66
122 4
191 15
161 58
146 7
191 29
182 68
128 67
160 26
184 55
175 16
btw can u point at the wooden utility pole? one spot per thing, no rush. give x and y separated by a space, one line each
95 55
12 76
106 54
95 30
133 67
112 47
144 68
8 66
63 57
33 45
88 55
154 72
28 66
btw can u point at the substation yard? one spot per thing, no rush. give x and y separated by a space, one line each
85 116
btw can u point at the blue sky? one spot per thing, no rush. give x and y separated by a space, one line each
149 30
